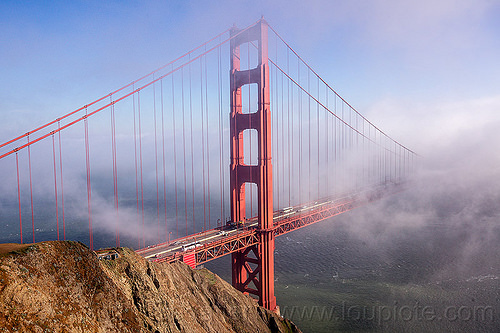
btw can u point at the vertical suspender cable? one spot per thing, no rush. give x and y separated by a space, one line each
403 159
407 174
370 163
55 183
363 151
349 147
395 162
335 141
184 149
373 157
379 158
140 164
309 134
115 172
222 138
359 175
221 158
300 157
31 192
342 144
61 181
283 163
279 133
163 160
19 199
89 189
275 142
192 146
156 165
400 166
289 143
327 127
275 113
175 160
203 144
386 163
300 134
317 128
208 150
136 168
293 153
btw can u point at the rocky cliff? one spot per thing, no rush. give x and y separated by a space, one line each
63 287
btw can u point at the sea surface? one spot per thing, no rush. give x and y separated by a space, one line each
343 275
414 262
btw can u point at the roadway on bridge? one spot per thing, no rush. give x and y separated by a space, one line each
233 230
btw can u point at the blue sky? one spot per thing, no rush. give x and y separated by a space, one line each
426 71
409 66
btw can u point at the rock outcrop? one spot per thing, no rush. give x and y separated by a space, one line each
63 287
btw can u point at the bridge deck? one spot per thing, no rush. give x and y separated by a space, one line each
218 242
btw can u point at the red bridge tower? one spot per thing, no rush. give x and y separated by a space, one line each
254 264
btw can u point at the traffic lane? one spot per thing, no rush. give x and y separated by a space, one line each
178 246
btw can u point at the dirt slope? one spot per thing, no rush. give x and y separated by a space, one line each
63 287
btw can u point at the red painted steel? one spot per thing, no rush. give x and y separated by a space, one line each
208 251
261 256
62 187
31 193
190 259
19 199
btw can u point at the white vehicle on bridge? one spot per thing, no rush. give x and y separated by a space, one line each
190 246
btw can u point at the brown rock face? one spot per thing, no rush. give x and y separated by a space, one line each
63 287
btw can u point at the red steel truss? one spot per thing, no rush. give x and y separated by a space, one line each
246 240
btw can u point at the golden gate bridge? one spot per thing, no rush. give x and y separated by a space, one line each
147 164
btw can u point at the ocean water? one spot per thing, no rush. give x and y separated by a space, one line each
362 273
415 262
